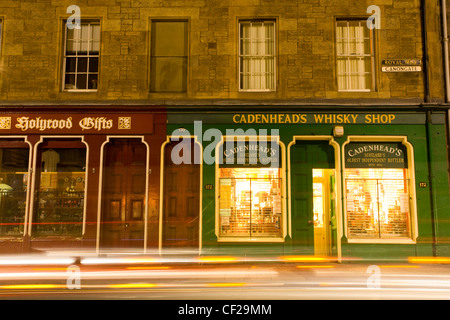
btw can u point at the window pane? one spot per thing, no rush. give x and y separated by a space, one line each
82 64
71 64
93 65
13 189
59 198
70 82
377 203
82 43
250 202
93 80
257 55
354 50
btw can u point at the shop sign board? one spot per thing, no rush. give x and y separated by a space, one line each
250 153
305 118
76 123
375 155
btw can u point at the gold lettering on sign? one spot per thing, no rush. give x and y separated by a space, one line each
25 123
98 123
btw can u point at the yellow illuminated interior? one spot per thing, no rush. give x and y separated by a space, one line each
377 203
250 202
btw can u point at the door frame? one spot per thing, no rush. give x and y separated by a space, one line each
100 188
161 190
337 164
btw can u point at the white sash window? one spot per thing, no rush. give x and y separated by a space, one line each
257 55
355 56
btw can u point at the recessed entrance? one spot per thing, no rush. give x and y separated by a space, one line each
181 197
123 194
313 201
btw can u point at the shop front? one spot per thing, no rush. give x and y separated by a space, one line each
342 185
76 180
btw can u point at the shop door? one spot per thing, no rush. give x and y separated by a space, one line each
305 157
181 198
123 194
323 202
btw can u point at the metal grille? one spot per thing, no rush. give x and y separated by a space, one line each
378 208
250 207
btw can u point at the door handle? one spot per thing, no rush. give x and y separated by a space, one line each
310 222
127 225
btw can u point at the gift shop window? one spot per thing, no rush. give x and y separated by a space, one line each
250 199
60 189
377 192
14 182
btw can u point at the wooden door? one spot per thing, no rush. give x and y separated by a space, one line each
123 194
181 199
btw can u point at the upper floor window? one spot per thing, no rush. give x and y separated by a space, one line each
355 48
169 56
257 56
81 57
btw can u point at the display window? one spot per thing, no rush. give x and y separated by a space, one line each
250 198
377 185
14 183
60 188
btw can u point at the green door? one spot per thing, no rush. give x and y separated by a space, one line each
306 156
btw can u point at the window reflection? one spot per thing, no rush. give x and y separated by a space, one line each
14 157
59 199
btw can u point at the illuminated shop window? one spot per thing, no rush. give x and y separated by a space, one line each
14 157
377 197
60 190
250 199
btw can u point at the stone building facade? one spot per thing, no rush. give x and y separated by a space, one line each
351 95
306 49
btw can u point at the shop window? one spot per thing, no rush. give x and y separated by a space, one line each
355 49
377 192
14 157
250 196
169 56
257 55
81 57
60 189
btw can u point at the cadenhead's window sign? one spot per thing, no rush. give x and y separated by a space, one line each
375 155
250 153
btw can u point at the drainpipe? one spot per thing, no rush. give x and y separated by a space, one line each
428 127
425 51
445 47
430 159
